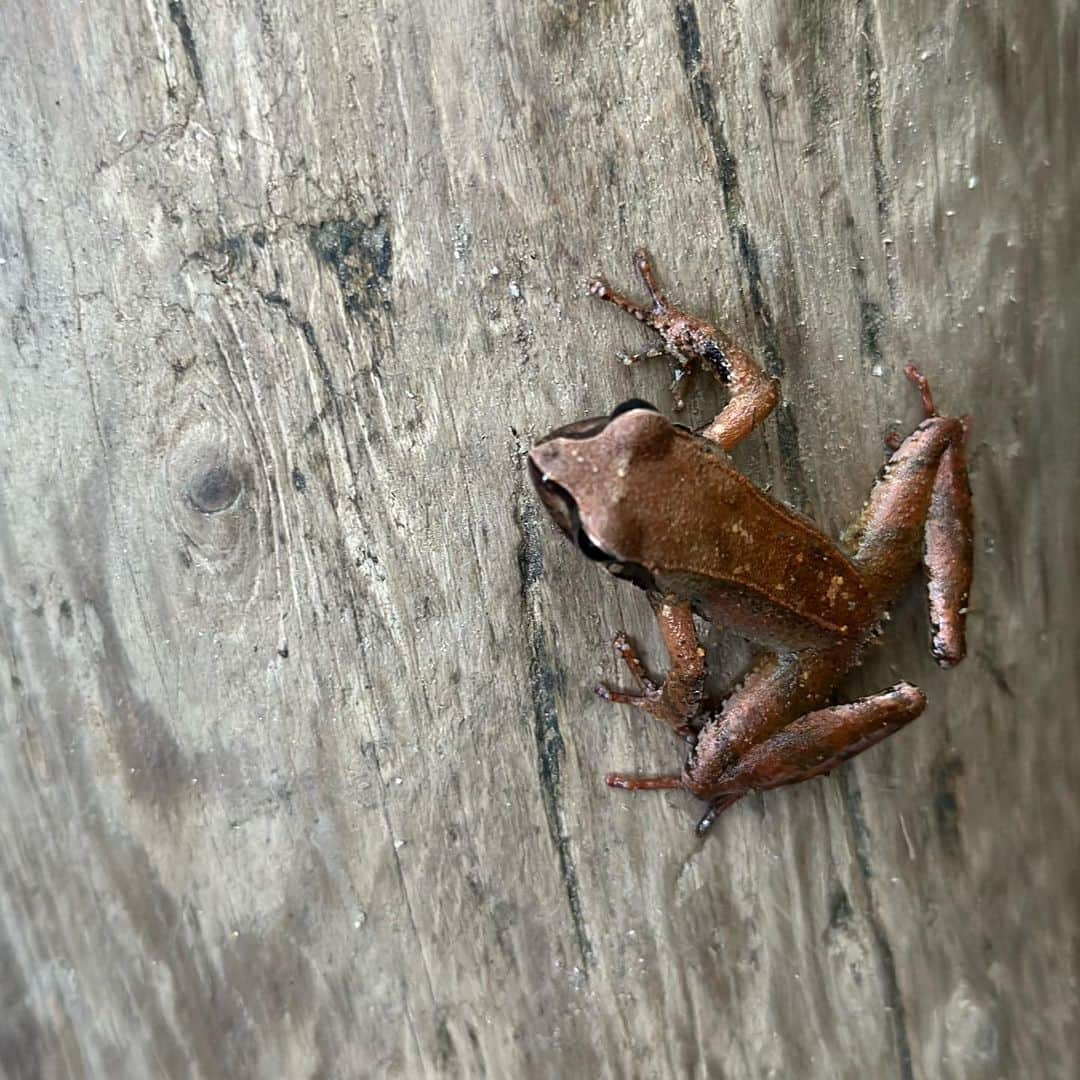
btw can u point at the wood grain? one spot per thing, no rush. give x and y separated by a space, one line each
300 770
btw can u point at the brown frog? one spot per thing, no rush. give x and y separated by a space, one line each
663 507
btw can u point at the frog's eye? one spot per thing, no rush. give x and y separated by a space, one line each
633 403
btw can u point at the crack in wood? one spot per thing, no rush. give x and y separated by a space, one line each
178 14
871 53
787 431
890 984
547 734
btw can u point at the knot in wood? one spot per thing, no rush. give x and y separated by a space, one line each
214 488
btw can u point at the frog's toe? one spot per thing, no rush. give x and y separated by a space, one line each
629 657
643 783
639 701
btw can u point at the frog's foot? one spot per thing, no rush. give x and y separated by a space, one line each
675 706
642 783
659 318
646 354
660 307
716 808
922 384
693 343
681 370
633 782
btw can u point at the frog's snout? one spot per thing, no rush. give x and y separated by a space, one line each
543 460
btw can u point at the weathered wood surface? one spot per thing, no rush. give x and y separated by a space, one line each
300 771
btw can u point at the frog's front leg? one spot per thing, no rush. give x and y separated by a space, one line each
692 342
678 702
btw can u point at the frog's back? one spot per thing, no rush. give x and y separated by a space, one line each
707 534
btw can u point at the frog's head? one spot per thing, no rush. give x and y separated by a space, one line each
585 475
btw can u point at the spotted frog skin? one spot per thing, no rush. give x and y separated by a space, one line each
664 508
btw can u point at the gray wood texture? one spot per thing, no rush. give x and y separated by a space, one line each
300 767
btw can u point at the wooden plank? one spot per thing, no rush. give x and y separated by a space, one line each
300 771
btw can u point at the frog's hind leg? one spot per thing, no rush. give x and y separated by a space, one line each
948 553
923 501
678 702
815 744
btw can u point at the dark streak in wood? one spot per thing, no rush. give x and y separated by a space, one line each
178 14
542 684
890 986
361 256
871 62
689 34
